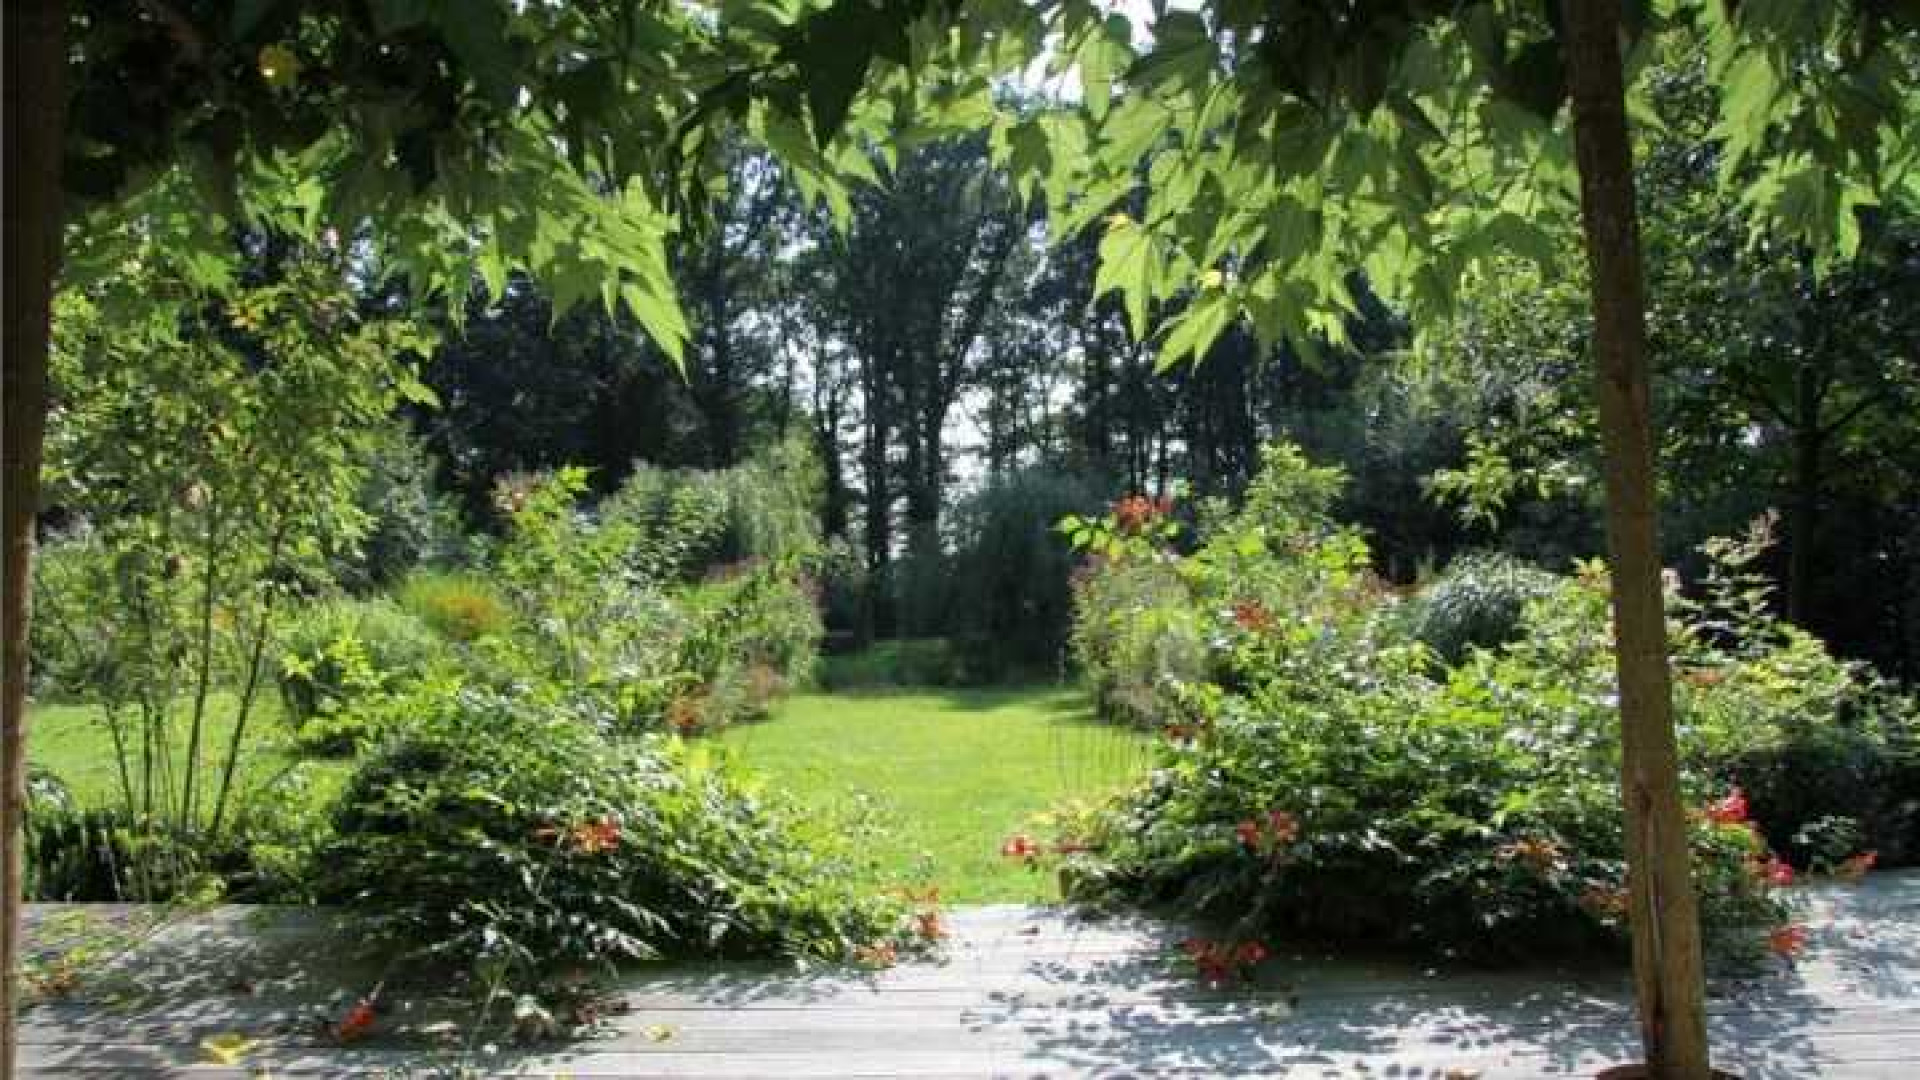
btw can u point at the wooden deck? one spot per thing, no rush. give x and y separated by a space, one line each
1021 992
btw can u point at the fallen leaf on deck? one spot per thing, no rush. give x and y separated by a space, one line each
226 1048
660 1033
1462 1074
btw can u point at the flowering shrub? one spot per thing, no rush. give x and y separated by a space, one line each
1322 775
507 836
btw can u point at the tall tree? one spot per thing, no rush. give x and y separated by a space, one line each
910 285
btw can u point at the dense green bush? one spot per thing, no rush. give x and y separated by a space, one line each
508 836
408 522
107 853
1322 777
333 655
1477 602
1013 607
1149 624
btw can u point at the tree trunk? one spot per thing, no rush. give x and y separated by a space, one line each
1662 905
878 508
35 120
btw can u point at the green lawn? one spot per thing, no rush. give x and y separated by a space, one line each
945 775
950 772
73 742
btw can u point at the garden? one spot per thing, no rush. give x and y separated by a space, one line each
566 491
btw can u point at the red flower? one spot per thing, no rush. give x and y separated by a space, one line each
1731 810
1134 513
357 1022
882 955
1855 867
1775 871
1253 616
1020 846
1538 852
1787 940
1604 901
1217 961
929 926
1270 834
1283 826
594 837
1180 732
1249 833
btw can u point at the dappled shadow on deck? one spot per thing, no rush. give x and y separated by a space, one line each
1026 992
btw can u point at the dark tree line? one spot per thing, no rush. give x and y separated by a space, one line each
936 345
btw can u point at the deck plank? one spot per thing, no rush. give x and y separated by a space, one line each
1019 992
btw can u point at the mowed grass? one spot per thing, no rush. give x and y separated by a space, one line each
948 774
73 742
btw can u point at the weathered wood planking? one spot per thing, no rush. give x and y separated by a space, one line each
1020 992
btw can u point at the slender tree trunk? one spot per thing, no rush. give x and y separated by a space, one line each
878 509
35 121
1663 907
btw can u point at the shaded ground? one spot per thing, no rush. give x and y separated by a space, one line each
945 775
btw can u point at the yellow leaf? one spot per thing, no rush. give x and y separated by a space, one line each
1116 222
1212 279
226 1048
660 1033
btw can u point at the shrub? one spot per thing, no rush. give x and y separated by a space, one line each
334 655
1015 607
751 638
91 854
507 836
1477 602
459 607
1479 815
1321 778
407 521
604 607
1810 737
841 571
1136 638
